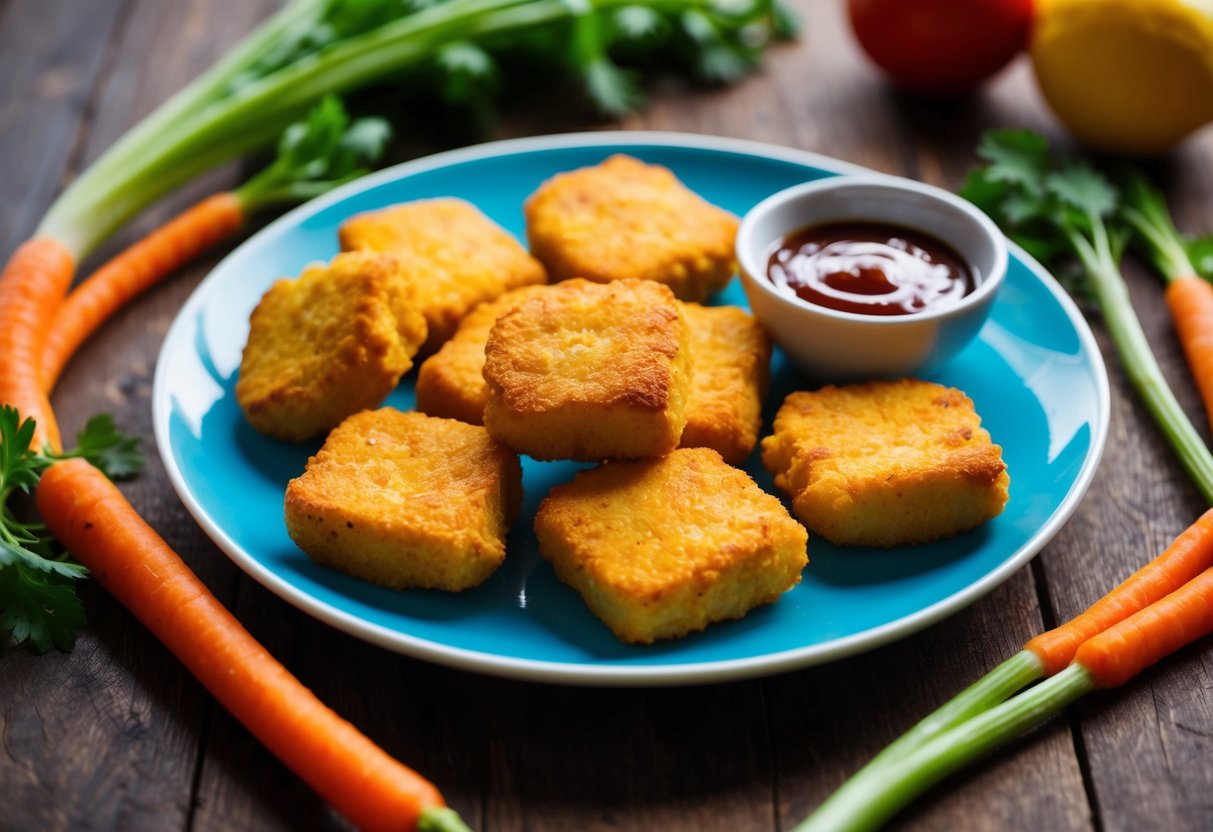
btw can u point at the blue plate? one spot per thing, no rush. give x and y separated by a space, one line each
1034 372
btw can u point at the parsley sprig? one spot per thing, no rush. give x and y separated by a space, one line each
1065 209
38 603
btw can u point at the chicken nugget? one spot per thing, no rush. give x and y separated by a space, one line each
455 256
626 219
661 548
886 462
732 369
590 371
406 500
326 345
451 381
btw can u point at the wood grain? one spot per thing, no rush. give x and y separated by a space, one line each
116 735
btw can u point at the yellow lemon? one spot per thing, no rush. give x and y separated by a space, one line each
1126 76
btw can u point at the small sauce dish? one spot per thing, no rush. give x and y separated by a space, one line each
835 345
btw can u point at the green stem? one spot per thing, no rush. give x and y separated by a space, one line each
1139 363
1166 251
113 171
900 782
154 160
1012 675
441 820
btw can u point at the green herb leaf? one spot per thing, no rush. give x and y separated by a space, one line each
38 605
39 609
316 155
469 72
718 60
19 467
1017 157
116 454
639 23
786 21
1080 186
613 90
1200 252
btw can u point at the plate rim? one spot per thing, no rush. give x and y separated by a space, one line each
582 673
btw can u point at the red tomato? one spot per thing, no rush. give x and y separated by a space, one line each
941 46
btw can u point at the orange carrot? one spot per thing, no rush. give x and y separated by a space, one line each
1190 300
1121 652
96 523
31 289
1186 557
135 270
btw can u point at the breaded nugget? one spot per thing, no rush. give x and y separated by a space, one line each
330 343
886 462
732 357
732 367
624 219
451 381
590 371
455 256
661 548
406 500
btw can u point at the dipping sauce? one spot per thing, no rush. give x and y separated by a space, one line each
870 268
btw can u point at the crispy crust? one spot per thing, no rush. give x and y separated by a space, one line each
886 463
732 369
406 500
330 343
455 256
625 219
451 382
732 358
661 548
589 372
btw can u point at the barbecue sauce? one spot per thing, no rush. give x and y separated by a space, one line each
870 268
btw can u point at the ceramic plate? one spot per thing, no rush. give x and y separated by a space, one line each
1034 373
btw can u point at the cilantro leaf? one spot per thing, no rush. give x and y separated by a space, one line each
1080 186
1018 157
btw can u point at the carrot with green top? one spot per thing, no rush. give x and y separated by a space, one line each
1120 652
132 272
1188 555
1156 611
1190 300
314 156
91 517
1189 296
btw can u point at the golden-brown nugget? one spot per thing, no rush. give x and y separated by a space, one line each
450 382
454 255
624 218
732 357
885 463
590 371
406 500
732 368
327 344
662 548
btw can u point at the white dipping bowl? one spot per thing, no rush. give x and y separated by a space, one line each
831 345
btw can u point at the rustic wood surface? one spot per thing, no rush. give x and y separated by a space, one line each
116 735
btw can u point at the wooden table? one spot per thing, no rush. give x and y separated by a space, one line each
116 735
